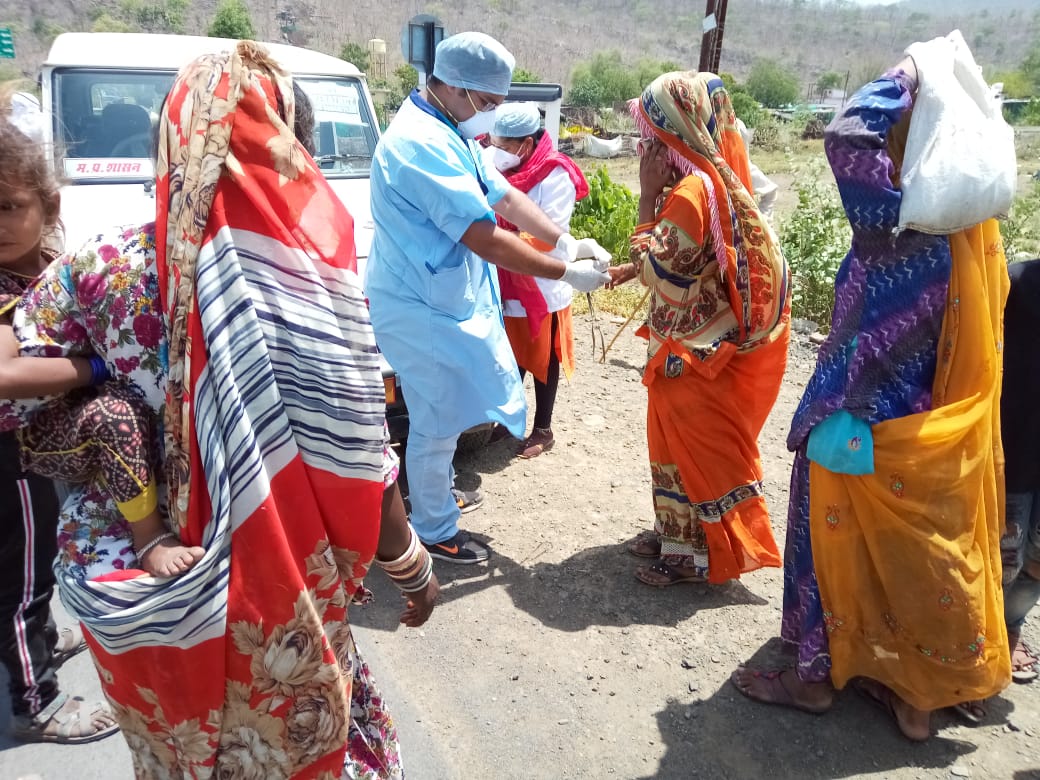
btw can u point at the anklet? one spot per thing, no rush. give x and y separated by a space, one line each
160 538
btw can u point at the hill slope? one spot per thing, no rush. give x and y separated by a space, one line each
550 36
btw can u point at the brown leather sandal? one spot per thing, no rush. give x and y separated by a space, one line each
541 440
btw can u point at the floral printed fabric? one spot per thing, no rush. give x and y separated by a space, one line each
103 299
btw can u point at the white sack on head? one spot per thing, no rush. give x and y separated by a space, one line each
959 168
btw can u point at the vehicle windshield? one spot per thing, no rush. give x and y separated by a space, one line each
344 134
105 122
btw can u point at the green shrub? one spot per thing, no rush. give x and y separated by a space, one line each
525 76
356 54
769 136
1031 114
771 84
1021 230
815 238
608 214
606 79
407 78
746 108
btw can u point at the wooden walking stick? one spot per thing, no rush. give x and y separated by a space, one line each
596 329
624 325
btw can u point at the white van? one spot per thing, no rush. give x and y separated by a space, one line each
103 92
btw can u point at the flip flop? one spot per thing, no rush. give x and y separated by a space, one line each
1025 675
1024 670
664 570
882 697
781 695
646 545
70 643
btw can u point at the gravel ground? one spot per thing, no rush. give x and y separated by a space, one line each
553 661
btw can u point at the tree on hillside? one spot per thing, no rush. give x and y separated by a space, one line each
105 22
357 55
159 16
1031 68
771 84
231 20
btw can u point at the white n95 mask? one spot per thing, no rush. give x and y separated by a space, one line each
504 160
481 123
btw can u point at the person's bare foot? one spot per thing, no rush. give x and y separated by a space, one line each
1023 661
783 688
170 558
914 724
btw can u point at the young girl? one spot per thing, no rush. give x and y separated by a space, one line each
85 433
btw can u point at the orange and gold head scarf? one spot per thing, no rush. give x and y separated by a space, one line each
692 115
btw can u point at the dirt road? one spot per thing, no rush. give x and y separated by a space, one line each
554 662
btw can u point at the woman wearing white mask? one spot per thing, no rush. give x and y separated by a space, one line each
434 300
537 311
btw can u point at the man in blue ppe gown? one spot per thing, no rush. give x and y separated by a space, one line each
434 299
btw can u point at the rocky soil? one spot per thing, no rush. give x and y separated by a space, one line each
554 662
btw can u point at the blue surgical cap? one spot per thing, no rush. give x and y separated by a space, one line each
474 60
516 120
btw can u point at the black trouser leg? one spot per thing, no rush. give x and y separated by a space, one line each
545 394
28 528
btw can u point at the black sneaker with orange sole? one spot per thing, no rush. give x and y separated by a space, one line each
461 548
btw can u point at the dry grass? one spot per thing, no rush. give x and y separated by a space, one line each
781 165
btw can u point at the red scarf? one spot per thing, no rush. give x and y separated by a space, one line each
543 161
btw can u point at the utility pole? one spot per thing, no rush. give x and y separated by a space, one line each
714 25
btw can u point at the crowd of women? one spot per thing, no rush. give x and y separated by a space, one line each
211 439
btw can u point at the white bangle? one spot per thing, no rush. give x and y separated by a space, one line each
160 538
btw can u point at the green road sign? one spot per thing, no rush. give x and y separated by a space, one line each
6 43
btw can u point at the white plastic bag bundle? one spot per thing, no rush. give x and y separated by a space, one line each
959 168
602 147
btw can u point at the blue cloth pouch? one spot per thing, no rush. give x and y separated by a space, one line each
842 443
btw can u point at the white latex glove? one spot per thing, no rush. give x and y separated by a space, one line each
574 248
584 276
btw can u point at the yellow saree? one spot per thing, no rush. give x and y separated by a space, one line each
908 558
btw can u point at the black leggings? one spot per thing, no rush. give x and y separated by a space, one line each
28 519
545 393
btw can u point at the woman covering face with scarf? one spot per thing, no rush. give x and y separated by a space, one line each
267 376
718 330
